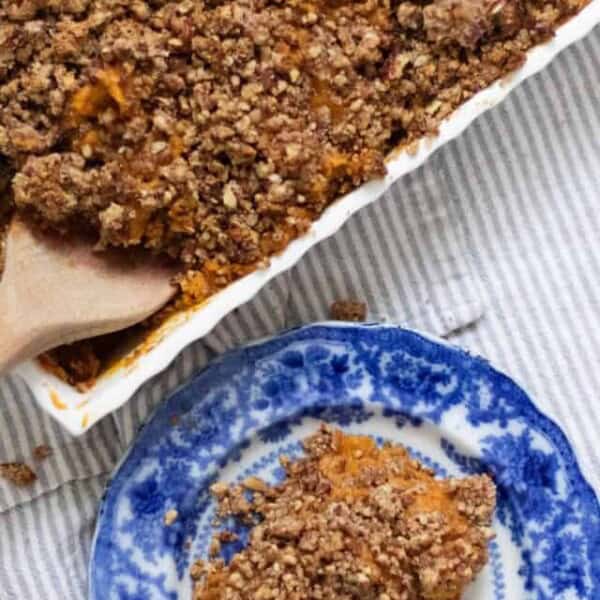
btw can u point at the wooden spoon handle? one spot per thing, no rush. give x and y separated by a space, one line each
21 336
15 348
14 343
22 331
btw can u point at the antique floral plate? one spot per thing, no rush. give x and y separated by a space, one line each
452 410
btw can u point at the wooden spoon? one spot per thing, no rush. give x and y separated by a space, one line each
55 291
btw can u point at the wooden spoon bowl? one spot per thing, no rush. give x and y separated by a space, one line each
55 291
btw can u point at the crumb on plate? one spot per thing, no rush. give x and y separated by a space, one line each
170 517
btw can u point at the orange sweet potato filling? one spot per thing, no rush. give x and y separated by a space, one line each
93 98
358 453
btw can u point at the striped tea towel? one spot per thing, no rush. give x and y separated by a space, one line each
504 219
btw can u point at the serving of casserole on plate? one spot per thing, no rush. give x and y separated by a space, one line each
233 136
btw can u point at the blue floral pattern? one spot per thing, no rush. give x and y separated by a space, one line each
453 410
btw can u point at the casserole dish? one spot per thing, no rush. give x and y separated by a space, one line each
78 411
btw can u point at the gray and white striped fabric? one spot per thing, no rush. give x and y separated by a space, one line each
495 243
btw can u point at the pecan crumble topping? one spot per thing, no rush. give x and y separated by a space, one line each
352 521
215 131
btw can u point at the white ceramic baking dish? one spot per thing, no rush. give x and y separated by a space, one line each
79 411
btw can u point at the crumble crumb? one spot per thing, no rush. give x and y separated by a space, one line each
19 474
42 452
348 310
170 517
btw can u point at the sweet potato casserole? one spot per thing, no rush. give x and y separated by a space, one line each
215 131
351 521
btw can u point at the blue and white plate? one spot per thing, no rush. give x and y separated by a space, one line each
452 410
